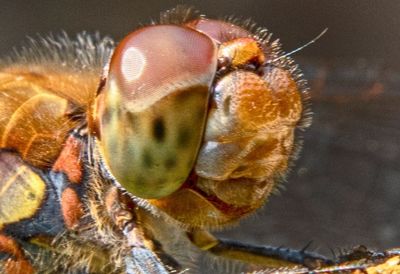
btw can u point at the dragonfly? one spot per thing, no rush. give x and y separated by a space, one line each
124 158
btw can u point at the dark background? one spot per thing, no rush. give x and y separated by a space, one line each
345 188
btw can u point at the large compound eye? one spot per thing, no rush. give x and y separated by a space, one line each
152 112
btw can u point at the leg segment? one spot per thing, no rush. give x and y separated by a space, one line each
271 257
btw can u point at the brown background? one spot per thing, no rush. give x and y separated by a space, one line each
345 188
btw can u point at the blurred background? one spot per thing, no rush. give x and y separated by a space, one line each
345 188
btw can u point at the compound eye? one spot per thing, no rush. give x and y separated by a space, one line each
219 30
152 111
236 44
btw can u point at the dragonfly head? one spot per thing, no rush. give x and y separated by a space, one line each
199 118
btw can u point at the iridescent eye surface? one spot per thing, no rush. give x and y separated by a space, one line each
153 108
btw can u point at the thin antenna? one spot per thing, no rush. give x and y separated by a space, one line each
303 46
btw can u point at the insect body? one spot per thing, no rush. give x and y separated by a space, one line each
190 128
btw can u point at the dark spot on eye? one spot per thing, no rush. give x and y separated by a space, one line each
170 162
183 137
159 129
147 159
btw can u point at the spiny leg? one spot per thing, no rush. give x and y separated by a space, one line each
268 256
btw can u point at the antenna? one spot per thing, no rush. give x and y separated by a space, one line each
303 46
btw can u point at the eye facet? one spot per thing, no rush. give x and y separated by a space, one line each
152 111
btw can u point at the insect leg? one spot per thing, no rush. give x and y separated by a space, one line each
272 257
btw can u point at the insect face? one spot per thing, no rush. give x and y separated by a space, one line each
198 116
